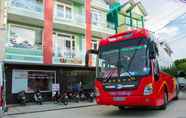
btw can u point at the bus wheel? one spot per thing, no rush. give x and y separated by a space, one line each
165 99
121 107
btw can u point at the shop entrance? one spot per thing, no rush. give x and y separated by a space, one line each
78 79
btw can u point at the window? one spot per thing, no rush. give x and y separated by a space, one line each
24 37
30 80
134 23
94 44
63 11
41 80
65 45
68 13
140 24
96 17
60 11
127 20
31 5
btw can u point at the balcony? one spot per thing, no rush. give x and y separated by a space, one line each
69 57
25 11
31 12
100 4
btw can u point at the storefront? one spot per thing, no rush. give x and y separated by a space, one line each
29 77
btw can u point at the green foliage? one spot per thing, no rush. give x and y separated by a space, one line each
181 65
172 71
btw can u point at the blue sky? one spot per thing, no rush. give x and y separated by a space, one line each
167 18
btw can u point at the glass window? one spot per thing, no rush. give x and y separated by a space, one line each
96 17
120 58
140 24
21 37
135 23
40 80
31 5
31 80
63 11
68 13
67 44
60 10
127 20
94 44
73 45
64 45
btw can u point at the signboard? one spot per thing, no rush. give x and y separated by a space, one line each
55 88
19 81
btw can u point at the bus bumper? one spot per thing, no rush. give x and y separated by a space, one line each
150 101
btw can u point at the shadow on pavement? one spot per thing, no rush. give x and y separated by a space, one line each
134 112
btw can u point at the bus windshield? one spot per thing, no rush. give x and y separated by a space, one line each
117 60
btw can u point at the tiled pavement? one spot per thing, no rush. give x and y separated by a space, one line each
47 106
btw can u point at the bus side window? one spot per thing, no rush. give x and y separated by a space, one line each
154 53
156 70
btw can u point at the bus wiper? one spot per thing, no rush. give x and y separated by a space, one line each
133 56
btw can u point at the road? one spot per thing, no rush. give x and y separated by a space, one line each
175 109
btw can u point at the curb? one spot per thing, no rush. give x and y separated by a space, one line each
73 107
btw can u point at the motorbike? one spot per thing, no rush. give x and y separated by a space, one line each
64 99
76 97
82 96
90 95
38 97
21 98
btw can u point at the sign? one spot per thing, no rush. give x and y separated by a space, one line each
19 80
55 88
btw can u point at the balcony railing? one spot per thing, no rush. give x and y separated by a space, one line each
30 5
36 7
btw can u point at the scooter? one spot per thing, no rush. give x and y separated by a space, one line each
38 97
21 98
64 99
76 97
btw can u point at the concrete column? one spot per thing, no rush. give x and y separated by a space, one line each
48 31
88 27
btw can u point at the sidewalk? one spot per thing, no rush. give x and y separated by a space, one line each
47 106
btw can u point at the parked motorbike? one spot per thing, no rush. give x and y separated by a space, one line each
76 97
82 96
90 95
64 99
21 98
38 97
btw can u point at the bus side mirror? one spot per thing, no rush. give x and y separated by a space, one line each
152 54
91 51
152 51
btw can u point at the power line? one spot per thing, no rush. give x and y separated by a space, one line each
182 37
171 22
169 15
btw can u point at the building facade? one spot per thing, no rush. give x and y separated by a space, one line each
22 49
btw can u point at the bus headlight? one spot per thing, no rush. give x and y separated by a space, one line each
148 90
97 92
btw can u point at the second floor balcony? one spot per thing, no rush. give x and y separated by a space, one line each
32 12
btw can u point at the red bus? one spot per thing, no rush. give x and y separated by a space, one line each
129 71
